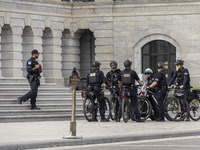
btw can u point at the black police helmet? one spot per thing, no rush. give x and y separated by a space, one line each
96 64
113 64
127 63
160 65
179 62
35 52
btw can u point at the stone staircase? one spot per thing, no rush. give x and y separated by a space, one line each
55 103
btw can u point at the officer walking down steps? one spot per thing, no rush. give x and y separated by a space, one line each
33 69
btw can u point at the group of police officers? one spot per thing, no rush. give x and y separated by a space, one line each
116 77
126 78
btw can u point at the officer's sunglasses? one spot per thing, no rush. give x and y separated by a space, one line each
114 68
147 73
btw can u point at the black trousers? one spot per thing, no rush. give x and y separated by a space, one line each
118 113
134 101
160 96
32 94
102 103
154 106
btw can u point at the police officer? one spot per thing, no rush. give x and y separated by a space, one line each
33 69
183 79
74 72
160 84
113 78
150 79
94 81
127 78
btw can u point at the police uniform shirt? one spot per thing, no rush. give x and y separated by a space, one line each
134 75
114 74
161 78
30 65
150 80
185 75
101 75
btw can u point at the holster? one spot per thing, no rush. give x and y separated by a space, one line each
30 78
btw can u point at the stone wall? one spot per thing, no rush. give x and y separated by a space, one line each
120 30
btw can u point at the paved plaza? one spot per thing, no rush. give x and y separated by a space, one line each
50 133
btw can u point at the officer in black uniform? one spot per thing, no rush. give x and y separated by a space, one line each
33 69
127 78
94 81
113 78
160 84
150 79
183 79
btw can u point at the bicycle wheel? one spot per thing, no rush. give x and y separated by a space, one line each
88 109
113 109
125 114
176 109
107 108
145 108
194 109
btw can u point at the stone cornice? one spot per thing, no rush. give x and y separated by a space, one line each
127 10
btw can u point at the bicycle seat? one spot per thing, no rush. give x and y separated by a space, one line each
196 91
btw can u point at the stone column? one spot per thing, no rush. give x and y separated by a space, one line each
70 55
0 53
104 48
57 58
17 52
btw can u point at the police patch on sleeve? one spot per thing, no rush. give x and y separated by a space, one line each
29 62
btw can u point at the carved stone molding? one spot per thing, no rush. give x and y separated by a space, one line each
157 9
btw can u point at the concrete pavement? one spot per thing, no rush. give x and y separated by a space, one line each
25 135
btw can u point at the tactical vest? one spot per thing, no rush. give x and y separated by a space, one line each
180 77
127 78
163 81
114 77
94 77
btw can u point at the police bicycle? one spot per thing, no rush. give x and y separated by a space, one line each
144 106
194 103
176 107
115 101
91 104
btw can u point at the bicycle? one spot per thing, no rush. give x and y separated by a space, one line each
91 104
144 104
127 110
115 101
194 103
176 107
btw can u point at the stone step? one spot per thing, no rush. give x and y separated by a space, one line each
42 95
32 118
44 101
42 106
39 112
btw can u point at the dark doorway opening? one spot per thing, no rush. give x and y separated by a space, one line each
159 51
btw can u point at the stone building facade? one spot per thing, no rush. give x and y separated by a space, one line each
73 34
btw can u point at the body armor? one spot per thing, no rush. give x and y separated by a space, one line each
94 77
127 78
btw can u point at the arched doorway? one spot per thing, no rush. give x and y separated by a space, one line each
159 51
47 44
87 52
27 46
7 51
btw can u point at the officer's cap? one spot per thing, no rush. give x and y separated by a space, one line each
35 52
